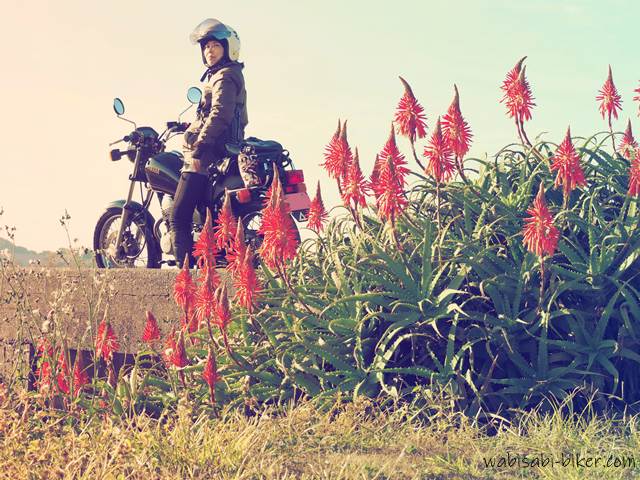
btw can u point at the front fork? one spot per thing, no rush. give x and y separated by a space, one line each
126 209
124 218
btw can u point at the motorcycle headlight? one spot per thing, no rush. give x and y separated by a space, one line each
115 155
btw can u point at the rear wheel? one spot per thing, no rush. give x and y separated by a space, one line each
141 250
252 236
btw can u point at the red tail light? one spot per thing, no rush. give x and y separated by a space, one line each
300 187
293 177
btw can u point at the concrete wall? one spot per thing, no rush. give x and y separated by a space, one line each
69 299
69 303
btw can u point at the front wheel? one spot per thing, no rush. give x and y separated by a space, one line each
140 250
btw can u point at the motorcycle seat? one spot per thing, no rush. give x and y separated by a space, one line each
232 148
258 146
254 145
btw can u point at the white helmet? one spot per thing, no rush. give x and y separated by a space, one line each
212 29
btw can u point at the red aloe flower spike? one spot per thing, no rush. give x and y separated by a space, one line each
45 377
63 374
205 248
44 347
200 311
235 255
151 331
517 93
567 162
289 239
346 156
521 97
518 98
610 103
455 129
610 99
317 213
210 375
222 316
511 78
391 200
540 234
106 341
169 346
44 372
390 181
333 155
375 175
634 175
183 288
209 273
440 164
178 355
355 187
246 283
80 376
274 190
204 308
523 100
280 241
409 117
628 144
637 97
191 323
226 227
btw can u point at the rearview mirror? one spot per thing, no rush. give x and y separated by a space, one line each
194 95
118 106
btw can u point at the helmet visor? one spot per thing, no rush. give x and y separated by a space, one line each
209 29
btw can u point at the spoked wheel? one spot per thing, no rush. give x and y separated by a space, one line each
141 249
252 236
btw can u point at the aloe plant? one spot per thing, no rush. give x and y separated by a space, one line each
384 320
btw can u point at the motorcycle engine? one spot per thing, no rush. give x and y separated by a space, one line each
165 244
166 205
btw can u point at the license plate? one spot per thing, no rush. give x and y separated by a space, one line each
297 201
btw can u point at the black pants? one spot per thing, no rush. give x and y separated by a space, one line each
192 192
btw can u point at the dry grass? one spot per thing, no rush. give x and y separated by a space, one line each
353 442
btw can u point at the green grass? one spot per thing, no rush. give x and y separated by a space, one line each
351 441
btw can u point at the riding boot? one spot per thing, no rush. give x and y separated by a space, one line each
182 243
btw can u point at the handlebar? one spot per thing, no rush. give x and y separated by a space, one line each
135 137
132 137
178 126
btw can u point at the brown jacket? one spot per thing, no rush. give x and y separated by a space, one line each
222 117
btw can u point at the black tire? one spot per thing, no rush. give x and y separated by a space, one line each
142 251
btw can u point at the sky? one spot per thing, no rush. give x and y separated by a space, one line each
306 65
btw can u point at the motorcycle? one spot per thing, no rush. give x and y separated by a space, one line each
127 235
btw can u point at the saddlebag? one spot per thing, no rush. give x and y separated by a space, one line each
256 159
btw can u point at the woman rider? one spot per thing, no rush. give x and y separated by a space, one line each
221 119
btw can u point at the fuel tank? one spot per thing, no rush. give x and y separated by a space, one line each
163 172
